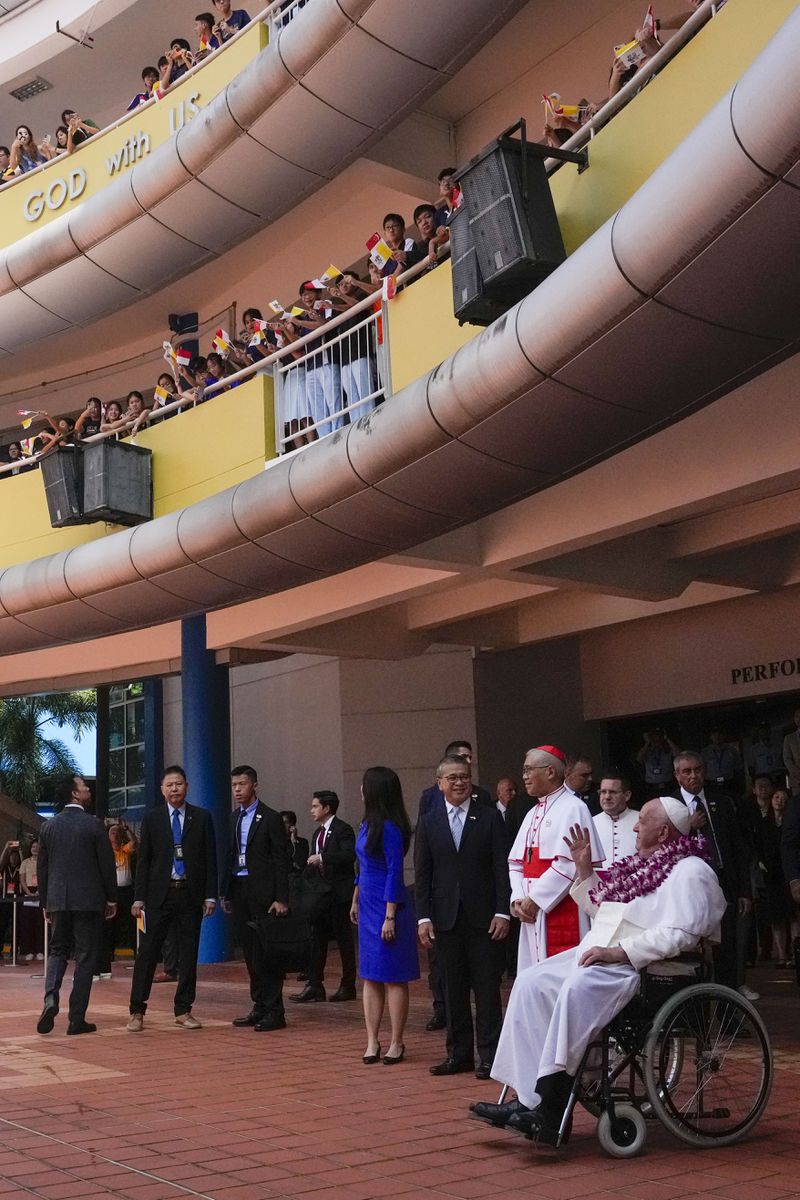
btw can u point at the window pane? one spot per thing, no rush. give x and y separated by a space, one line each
135 797
117 726
116 769
116 694
134 722
116 801
134 757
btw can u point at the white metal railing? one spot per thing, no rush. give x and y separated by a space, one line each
345 377
282 13
276 14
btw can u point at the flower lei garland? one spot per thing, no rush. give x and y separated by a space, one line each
633 876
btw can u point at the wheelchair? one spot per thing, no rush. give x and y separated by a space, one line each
693 1055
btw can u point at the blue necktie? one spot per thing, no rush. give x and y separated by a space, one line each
178 864
456 826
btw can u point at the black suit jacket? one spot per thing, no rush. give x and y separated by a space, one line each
790 841
734 877
338 859
474 877
299 854
516 813
267 856
76 870
156 852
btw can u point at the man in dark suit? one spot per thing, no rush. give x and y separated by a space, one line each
714 815
255 883
333 853
298 845
463 905
790 847
77 888
176 880
427 800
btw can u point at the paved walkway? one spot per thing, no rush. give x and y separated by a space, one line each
233 1115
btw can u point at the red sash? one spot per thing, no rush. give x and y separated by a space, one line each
562 923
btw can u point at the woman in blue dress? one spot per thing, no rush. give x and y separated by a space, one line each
384 912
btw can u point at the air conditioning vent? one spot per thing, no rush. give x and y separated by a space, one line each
32 88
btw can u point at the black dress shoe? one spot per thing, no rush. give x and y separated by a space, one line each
483 1070
343 993
269 1022
252 1018
309 994
437 1021
452 1066
534 1126
498 1115
48 1019
76 1027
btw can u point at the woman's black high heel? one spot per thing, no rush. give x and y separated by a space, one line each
389 1061
369 1059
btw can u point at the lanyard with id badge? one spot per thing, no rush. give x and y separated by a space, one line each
242 846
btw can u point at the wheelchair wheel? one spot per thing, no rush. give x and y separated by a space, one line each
625 1136
724 1076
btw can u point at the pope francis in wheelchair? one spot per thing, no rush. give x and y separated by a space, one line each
620 1023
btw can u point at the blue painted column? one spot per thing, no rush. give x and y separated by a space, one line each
207 757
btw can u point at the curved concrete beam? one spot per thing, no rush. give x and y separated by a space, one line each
687 291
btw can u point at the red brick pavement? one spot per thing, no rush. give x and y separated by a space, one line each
229 1114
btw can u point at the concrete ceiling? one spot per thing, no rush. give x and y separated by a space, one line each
101 81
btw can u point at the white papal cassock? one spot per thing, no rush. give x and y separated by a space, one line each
616 835
540 866
557 1007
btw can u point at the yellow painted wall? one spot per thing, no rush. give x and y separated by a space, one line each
156 121
423 331
196 454
422 328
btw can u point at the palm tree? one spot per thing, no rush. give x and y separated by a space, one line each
29 760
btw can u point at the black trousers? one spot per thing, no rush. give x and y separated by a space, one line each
188 917
169 951
117 932
471 963
335 924
83 931
435 981
727 969
266 980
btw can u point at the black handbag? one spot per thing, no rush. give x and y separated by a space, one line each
286 941
310 894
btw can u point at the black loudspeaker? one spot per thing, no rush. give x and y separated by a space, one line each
63 489
117 483
512 217
474 303
470 301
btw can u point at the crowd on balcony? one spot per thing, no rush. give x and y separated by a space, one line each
211 31
325 381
